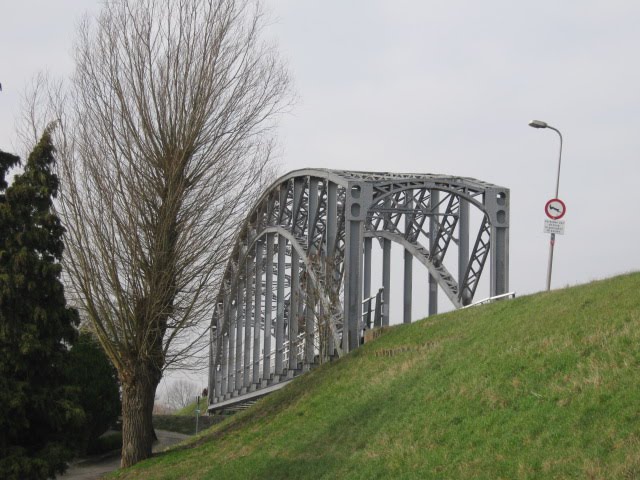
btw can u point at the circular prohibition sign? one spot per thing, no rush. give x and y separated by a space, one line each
555 209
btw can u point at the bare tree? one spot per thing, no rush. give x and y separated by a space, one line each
164 140
182 393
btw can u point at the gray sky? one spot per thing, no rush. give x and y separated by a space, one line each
442 87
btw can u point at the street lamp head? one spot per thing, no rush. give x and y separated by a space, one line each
538 124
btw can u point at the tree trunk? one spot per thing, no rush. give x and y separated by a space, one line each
138 393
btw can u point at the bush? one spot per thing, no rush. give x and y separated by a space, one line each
96 382
105 444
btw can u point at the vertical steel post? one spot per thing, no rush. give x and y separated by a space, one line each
499 260
386 268
434 221
301 310
213 346
497 205
408 286
463 245
330 241
220 333
257 309
358 200
332 218
240 314
233 308
294 306
225 367
352 287
366 283
408 261
215 351
248 317
309 344
268 305
282 251
386 279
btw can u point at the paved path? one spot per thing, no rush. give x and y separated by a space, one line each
96 467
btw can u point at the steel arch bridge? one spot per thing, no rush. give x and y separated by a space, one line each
292 292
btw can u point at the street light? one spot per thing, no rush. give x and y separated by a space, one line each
541 124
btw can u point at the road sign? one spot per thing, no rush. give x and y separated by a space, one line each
555 209
554 226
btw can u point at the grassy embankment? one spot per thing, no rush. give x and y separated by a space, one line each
543 386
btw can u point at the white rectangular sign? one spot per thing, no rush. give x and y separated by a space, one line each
554 226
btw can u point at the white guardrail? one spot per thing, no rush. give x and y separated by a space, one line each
492 299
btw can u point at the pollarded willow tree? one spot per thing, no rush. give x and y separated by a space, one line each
165 139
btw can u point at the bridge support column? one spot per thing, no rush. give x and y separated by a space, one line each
367 278
358 197
248 320
214 353
226 309
282 251
215 389
386 269
463 243
386 280
257 315
295 304
221 389
433 229
294 307
268 305
499 261
309 330
497 203
408 286
240 314
408 262
330 245
352 286
231 384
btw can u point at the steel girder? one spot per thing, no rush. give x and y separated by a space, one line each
292 291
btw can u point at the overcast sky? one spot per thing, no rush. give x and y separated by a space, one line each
442 87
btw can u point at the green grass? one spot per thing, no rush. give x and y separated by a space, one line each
544 386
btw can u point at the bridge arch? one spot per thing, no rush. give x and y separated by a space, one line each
293 288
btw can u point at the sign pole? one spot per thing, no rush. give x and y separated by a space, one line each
197 411
554 208
552 241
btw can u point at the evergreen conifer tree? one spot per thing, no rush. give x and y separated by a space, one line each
39 417
96 381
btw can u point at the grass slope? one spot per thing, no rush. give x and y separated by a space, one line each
543 386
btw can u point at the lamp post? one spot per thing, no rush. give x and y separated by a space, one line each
541 124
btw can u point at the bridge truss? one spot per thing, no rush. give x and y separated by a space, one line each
293 289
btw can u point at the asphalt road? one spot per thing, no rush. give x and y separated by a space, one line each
96 467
